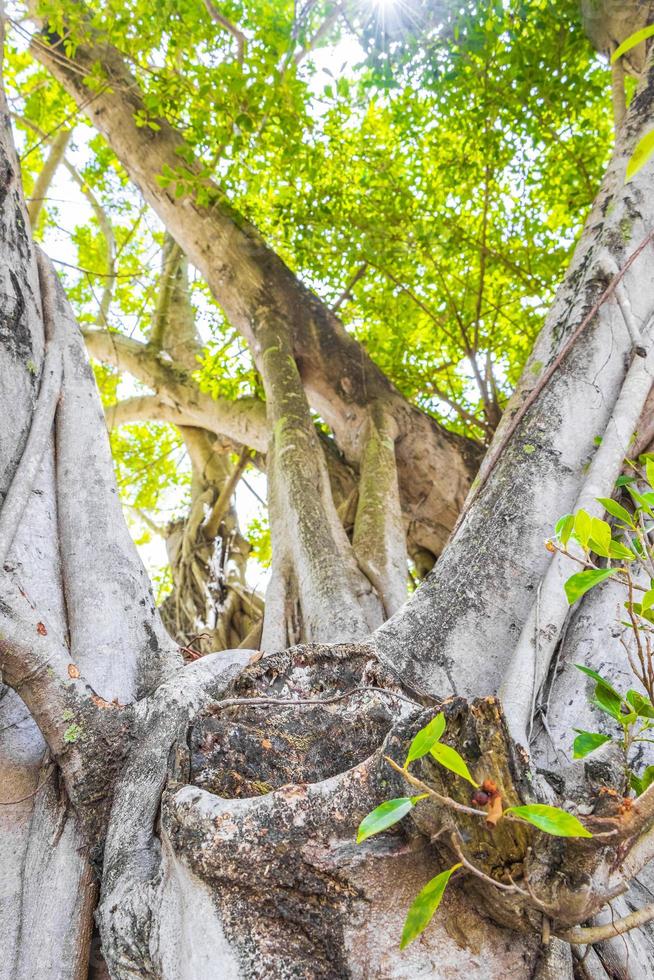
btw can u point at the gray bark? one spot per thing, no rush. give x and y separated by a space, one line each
215 811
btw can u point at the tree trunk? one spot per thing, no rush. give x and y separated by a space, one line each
210 809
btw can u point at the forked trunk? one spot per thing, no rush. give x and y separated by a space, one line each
213 806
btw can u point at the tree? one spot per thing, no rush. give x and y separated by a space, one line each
206 812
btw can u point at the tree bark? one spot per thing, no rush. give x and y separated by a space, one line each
213 806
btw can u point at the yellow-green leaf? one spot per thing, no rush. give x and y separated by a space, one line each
615 509
550 819
425 738
577 585
450 758
583 525
641 155
587 742
385 815
424 905
634 39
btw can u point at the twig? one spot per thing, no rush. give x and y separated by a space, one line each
581 935
445 800
476 871
306 702
34 791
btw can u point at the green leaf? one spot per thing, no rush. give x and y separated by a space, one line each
564 528
550 819
587 742
648 600
601 535
639 499
641 705
424 905
640 783
577 585
649 469
450 758
425 738
615 509
385 815
583 525
596 677
606 696
620 551
632 41
610 702
640 156
624 481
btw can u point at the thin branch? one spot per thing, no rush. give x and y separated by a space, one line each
306 702
581 935
227 25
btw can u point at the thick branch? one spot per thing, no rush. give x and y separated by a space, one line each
250 282
243 421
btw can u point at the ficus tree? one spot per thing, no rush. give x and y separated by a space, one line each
350 296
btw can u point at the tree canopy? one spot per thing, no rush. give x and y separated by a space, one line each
426 173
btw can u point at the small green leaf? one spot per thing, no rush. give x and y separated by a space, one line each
583 525
641 783
425 738
648 600
385 815
606 696
632 41
641 705
607 702
640 500
587 742
424 905
649 469
620 551
577 585
601 534
615 509
450 758
624 481
640 156
564 527
596 677
550 819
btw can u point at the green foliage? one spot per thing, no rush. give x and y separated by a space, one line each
258 534
385 815
425 739
633 712
424 905
587 742
550 819
450 758
579 584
